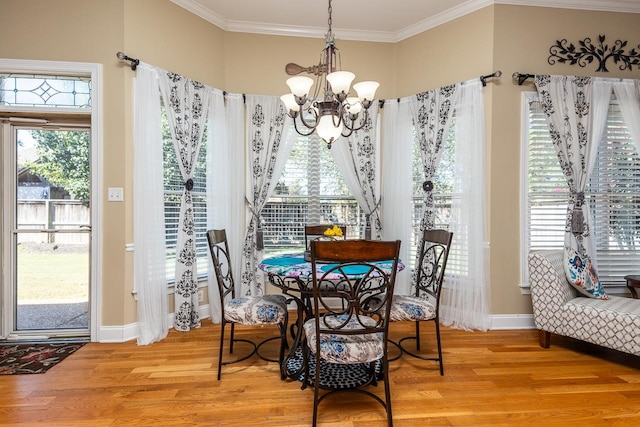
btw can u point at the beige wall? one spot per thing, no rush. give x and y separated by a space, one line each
457 51
255 63
523 36
501 37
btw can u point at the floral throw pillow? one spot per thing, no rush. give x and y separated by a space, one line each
582 275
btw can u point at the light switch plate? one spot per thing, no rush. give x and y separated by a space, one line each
115 194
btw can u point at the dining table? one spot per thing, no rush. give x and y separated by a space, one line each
292 274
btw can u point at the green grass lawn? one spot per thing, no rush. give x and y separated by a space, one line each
52 275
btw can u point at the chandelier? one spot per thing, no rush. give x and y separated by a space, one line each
334 112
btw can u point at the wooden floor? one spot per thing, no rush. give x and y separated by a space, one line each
494 378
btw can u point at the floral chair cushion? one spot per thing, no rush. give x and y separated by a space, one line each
253 310
411 308
344 349
582 275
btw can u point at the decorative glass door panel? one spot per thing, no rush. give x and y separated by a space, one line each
51 235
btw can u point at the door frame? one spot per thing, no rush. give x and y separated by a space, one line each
93 70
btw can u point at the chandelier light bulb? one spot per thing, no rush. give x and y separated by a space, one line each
300 85
327 130
290 102
366 91
353 105
340 81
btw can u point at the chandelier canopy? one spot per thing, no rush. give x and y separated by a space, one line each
334 112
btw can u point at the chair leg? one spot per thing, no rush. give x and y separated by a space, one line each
387 392
418 335
316 390
283 346
545 338
232 338
305 364
222 325
440 361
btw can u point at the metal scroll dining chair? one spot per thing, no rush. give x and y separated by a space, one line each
316 232
355 333
244 310
424 303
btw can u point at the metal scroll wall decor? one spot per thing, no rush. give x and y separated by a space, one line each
586 53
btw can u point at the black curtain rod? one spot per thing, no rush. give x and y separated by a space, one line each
134 62
484 79
521 77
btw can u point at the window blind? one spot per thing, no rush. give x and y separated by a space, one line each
173 190
311 190
613 194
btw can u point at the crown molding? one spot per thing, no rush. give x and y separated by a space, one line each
441 18
627 6
203 12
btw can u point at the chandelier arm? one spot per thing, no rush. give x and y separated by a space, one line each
353 128
348 134
340 118
307 124
295 126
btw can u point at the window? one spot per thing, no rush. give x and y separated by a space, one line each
613 194
311 190
34 90
173 189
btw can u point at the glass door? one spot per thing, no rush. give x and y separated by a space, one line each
50 231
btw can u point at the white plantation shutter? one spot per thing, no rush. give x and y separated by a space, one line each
311 190
548 191
613 194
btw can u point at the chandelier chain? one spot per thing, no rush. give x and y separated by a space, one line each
329 21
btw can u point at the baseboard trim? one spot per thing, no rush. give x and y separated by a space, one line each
512 321
115 334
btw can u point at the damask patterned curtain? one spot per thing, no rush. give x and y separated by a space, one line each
576 110
186 102
358 161
465 300
432 112
268 151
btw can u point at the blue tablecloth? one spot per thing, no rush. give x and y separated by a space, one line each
293 265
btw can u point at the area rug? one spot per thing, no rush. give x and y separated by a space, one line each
33 358
333 375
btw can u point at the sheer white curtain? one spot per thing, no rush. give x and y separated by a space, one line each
576 109
466 297
225 182
628 94
396 166
267 153
149 258
357 158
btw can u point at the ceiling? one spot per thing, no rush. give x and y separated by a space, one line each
367 20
